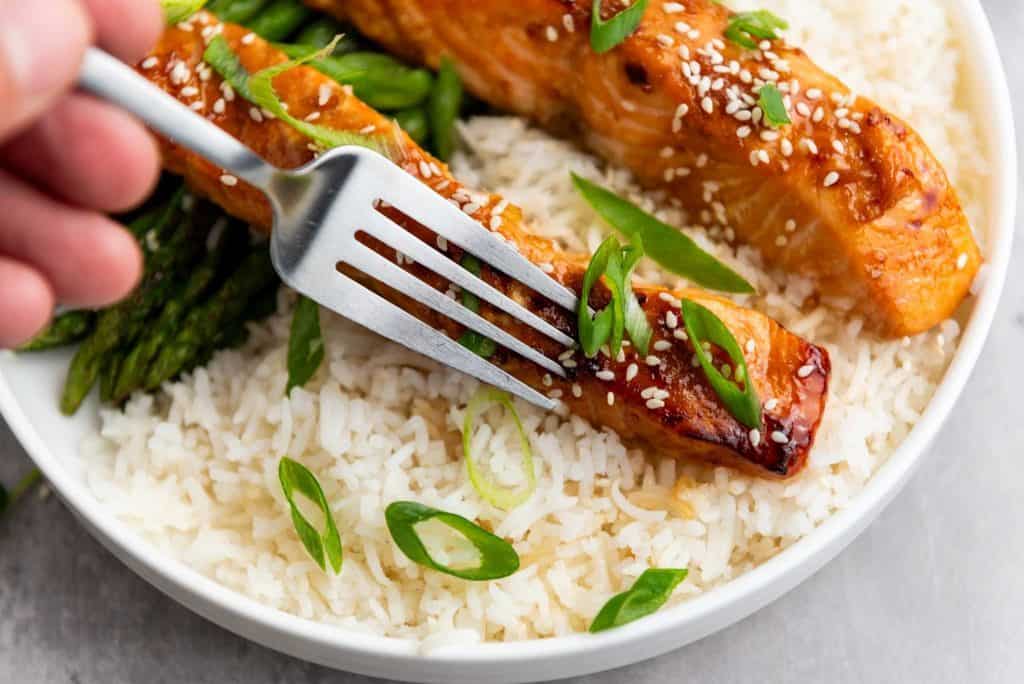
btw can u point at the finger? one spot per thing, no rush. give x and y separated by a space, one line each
88 259
87 152
41 47
26 302
126 28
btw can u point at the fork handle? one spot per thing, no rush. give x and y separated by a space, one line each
106 77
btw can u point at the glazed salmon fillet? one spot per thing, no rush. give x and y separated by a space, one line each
663 399
848 194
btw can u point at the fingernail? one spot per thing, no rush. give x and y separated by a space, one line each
41 45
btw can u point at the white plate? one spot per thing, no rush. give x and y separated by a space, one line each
29 387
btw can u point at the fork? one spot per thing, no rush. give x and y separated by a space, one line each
319 208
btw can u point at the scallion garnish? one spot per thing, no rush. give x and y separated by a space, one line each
443 106
497 557
258 88
470 339
296 477
496 495
663 243
623 313
704 326
606 34
649 593
305 343
773 106
745 27
176 11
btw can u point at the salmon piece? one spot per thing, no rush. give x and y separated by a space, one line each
687 421
848 195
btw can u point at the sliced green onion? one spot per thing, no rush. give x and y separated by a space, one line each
606 34
597 329
745 27
305 343
296 477
493 493
258 88
497 557
179 10
471 339
623 315
649 593
704 326
663 243
773 106
444 105
225 62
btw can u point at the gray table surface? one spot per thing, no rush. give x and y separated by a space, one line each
932 592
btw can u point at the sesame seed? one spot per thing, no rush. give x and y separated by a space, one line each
366 130
323 94
567 354
750 346
762 155
312 116
838 146
611 399
755 437
814 94
666 297
255 115
831 179
655 404
425 169
577 391
790 225
961 261
671 320
673 7
667 41
707 104
605 375
631 371
219 106
546 266
680 334
662 345
248 38
781 241
652 360
150 62
771 404
197 106
743 132
568 23
189 91
555 394
804 371
779 437
569 363
546 380
228 180
551 33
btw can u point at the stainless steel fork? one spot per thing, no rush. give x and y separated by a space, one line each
319 208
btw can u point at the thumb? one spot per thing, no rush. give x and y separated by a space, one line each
41 47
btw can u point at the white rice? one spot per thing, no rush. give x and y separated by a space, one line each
194 469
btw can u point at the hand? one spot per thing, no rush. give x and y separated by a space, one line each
65 157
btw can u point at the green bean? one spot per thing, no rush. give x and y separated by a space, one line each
321 32
379 80
445 102
279 19
237 11
414 122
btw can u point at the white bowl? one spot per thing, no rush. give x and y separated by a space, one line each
29 387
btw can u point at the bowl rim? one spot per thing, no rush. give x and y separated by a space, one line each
757 586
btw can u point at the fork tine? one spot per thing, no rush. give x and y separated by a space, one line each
392 234
419 202
386 271
372 311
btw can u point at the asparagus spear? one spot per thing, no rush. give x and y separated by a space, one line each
132 373
205 323
123 321
66 329
279 19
